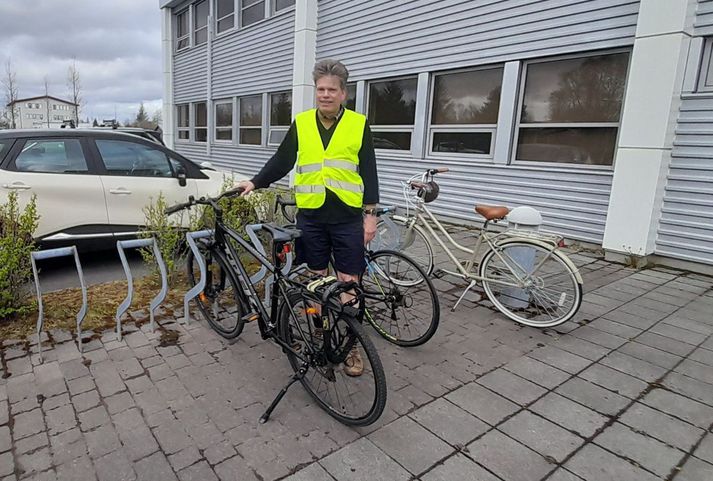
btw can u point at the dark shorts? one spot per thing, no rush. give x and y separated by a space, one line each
320 242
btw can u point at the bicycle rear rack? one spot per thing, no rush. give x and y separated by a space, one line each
156 301
51 254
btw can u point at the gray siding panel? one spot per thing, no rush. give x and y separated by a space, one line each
254 60
686 225
573 202
382 37
703 23
190 75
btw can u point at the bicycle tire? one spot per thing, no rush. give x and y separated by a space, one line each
209 301
419 247
517 303
372 408
396 282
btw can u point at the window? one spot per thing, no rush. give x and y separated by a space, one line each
56 156
225 17
251 120
278 5
571 109
200 22
224 120
182 30
392 108
464 111
127 158
351 97
182 121
251 11
280 116
200 118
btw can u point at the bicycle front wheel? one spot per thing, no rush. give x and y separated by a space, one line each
400 301
352 400
412 242
218 302
550 293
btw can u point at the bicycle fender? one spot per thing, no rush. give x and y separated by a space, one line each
547 246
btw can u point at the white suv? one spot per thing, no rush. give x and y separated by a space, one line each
93 184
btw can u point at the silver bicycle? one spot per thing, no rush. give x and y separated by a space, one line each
524 273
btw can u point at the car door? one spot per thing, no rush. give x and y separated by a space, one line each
134 176
70 198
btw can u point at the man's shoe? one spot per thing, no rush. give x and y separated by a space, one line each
353 364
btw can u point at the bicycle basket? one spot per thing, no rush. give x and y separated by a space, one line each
388 236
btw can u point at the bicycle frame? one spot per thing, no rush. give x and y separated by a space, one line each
466 268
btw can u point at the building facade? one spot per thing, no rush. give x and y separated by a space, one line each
599 113
44 112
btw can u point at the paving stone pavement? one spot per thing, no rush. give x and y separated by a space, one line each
623 392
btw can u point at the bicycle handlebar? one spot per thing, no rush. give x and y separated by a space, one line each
440 170
212 201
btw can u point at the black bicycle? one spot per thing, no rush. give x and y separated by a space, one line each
305 317
400 301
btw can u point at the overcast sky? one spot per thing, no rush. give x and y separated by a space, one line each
117 44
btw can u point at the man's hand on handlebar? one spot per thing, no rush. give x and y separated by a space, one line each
247 186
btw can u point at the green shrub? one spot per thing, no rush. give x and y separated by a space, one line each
17 228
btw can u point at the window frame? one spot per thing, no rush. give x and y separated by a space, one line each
194 123
194 19
251 3
187 36
219 32
521 98
706 59
180 128
259 127
276 128
432 128
230 128
392 128
275 11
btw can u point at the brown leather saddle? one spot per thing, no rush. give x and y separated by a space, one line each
492 212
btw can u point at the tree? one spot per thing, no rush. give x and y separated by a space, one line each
75 88
157 118
142 118
95 123
9 82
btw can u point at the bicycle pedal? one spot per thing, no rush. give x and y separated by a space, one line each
250 317
438 273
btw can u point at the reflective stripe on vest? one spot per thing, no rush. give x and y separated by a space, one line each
336 168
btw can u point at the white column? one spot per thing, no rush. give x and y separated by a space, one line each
651 103
167 111
305 54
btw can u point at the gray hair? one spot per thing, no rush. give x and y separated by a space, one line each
331 67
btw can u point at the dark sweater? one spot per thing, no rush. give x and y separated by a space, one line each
333 211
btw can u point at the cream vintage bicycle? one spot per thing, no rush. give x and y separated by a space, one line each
524 272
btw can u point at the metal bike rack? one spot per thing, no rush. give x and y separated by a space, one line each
50 254
191 238
156 301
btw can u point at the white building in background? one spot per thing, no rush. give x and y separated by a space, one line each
598 113
44 112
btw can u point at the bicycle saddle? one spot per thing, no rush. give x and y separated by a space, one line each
492 212
280 234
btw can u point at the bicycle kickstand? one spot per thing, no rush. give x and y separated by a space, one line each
470 286
295 377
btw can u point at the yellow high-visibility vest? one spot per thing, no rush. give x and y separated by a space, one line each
336 168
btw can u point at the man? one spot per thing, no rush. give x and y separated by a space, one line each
336 182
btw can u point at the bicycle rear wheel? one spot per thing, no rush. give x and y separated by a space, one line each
355 401
413 242
219 302
551 293
400 300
